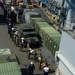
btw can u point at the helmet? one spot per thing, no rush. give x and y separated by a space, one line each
30 49
31 63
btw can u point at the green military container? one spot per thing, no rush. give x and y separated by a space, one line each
55 44
47 35
26 28
42 29
50 35
3 58
6 56
34 20
40 25
21 26
37 19
8 63
52 42
42 32
11 68
25 25
45 31
29 34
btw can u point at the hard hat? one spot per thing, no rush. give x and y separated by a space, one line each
39 58
31 63
12 8
30 49
9 24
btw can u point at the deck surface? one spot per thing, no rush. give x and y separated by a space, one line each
6 42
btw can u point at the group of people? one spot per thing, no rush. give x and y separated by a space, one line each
31 69
41 61
20 41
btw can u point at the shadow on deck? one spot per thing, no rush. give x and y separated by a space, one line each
2 19
24 71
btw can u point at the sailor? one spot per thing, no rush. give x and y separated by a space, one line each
9 28
46 70
13 15
22 39
28 47
30 53
9 25
15 35
35 55
13 30
5 12
39 59
31 68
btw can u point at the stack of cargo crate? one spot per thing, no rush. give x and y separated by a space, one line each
28 32
36 18
49 36
52 41
8 63
39 25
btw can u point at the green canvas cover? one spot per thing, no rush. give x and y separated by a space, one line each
11 68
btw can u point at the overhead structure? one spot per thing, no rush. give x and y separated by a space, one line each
64 11
44 1
65 56
69 5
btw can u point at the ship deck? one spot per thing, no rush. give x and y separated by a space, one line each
6 42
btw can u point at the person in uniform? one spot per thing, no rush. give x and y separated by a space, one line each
22 43
46 70
30 53
13 30
31 68
15 35
35 55
9 28
40 60
28 47
22 40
